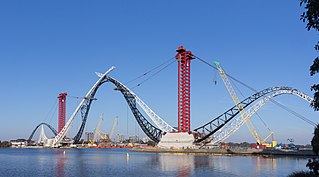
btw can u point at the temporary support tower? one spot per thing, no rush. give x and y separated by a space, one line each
62 111
184 58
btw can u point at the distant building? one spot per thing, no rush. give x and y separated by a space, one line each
145 140
133 139
19 143
88 136
119 138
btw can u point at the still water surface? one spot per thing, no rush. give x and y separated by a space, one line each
116 162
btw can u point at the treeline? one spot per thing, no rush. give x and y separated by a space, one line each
5 144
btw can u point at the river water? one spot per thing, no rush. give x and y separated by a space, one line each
124 162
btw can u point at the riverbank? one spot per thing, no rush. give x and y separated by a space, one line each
230 151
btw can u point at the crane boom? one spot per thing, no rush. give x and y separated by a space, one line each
245 116
265 139
113 127
97 129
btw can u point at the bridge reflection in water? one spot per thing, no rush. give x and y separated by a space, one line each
114 162
110 162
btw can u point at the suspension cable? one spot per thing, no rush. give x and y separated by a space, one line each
149 71
241 93
53 108
271 99
75 97
155 74
294 113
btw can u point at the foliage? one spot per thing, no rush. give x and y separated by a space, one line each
5 144
313 166
315 141
302 174
311 17
313 70
151 143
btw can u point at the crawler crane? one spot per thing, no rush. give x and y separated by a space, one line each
240 107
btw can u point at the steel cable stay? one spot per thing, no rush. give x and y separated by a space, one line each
241 93
52 111
294 113
234 125
152 131
83 108
151 70
254 90
251 125
216 126
242 110
154 74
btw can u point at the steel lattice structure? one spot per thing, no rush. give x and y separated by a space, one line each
214 131
208 129
234 125
184 58
84 107
62 111
150 130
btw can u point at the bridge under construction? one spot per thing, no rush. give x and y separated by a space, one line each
157 129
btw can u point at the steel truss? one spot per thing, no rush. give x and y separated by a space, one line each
204 132
150 130
234 125
84 107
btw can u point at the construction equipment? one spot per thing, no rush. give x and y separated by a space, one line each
103 136
97 129
113 127
240 107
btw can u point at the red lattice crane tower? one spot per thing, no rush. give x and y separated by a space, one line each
184 58
62 111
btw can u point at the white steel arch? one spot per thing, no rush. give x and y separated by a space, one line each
233 126
42 137
59 137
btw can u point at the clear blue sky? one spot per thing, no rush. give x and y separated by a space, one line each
49 47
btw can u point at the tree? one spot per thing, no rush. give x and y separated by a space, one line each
151 143
311 17
5 144
315 141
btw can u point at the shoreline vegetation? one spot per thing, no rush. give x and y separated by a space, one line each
5 144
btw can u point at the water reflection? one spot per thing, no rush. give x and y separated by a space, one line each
60 163
202 161
103 162
262 163
183 165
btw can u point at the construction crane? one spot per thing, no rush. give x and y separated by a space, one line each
240 107
97 129
113 127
